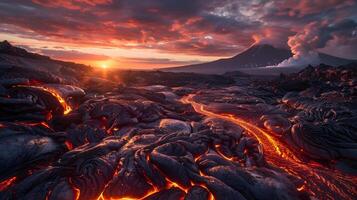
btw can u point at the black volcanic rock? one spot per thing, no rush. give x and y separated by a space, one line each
38 66
284 138
171 79
129 142
7 48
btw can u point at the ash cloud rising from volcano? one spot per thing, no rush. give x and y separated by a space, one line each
180 31
314 36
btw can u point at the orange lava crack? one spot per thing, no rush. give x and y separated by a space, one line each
6 183
280 156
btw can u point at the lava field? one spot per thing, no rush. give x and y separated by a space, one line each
202 138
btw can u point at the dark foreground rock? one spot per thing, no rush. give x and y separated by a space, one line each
59 141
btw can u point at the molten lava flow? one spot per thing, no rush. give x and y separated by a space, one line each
77 193
69 145
44 124
170 184
6 183
319 181
101 197
67 109
174 184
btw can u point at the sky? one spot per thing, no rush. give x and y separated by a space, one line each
146 34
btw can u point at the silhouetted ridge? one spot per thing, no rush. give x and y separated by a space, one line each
7 48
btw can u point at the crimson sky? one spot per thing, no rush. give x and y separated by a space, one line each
156 33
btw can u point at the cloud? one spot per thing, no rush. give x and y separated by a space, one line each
173 26
71 4
62 54
72 55
305 44
273 35
155 61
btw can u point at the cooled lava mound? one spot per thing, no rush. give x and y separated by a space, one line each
63 141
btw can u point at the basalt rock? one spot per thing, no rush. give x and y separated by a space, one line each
62 142
27 146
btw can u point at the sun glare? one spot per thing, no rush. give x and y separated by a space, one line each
104 66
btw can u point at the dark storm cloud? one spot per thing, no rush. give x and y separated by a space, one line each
202 27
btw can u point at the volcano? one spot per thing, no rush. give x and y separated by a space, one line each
149 135
254 57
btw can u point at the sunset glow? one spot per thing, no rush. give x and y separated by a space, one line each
154 34
178 99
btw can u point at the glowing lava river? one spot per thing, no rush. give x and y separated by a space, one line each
318 181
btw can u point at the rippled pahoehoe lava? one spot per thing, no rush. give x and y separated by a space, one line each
67 108
53 92
155 142
319 181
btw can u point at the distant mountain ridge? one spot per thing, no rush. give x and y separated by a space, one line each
12 56
254 57
7 48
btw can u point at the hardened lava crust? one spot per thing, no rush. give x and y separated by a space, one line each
291 137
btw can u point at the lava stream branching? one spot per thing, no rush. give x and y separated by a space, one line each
318 181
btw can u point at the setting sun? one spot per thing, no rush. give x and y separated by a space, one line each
178 99
104 66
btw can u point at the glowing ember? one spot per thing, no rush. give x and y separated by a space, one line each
34 124
301 188
278 155
101 197
5 184
67 109
69 145
174 184
77 193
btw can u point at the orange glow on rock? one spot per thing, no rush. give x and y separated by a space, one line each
34 124
66 107
101 197
174 184
279 155
221 154
211 197
45 125
69 145
77 193
301 188
6 183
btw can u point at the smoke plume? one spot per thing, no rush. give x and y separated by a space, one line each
305 44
